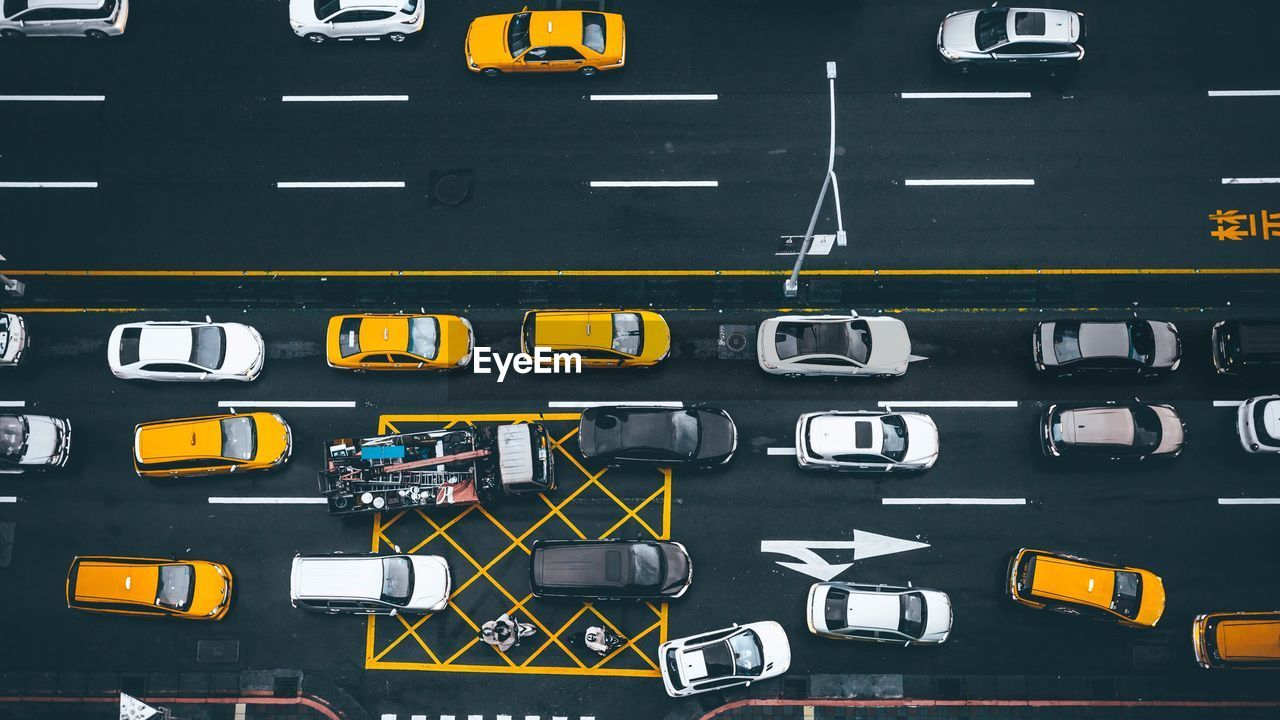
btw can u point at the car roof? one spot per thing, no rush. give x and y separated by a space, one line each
166 343
831 435
1249 639
384 334
873 610
1104 339
101 580
73 4
555 27
1039 25
573 329
340 577
1065 579
192 438
1098 426
601 564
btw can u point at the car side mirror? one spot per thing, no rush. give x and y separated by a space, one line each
909 584
394 613
233 468
397 547
204 375
420 365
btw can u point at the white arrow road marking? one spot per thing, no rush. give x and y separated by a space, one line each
864 545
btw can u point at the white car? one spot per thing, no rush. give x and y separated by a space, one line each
878 613
369 584
866 441
320 20
13 338
1014 37
1258 423
33 442
738 655
88 18
840 345
185 351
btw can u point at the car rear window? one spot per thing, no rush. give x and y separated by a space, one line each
836 609
349 337
1066 342
1028 23
593 31
13 437
129 340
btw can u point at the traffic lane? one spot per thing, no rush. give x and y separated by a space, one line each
59 141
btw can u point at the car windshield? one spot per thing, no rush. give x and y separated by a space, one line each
1127 593
851 340
208 347
325 8
424 337
397 579
914 615
13 437
13 7
593 31
175 587
992 28
894 445
627 333
748 655
684 433
238 438
518 33
646 564
1146 428
1142 342
409 7
1066 341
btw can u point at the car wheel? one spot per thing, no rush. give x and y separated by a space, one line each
588 71
396 37
11 34
95 34
316 38
491 72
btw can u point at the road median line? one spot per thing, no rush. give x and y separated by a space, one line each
287 403
952 501
848 272
948 404
1249 501
267 501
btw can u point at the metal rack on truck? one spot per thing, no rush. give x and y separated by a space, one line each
436 468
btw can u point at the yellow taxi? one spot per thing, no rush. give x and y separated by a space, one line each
212 445
1237 640
1074 586
603 338
546 41
186 589
398 342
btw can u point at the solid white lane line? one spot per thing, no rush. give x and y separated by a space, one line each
1249 501
949 403
13 403
1251 181
1244 93
1228 403
649 98
963 95
781 451
342 184
41 184
344 98
267 501
972 182
594 403
654 183
52 98
8 499
953 501
287 403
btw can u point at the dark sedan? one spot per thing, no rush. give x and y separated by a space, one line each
695 436
1113 431
1126 347
613 569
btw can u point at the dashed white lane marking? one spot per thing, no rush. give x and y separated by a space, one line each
1249 501
963 95
286 185
948 403
655 183
52 98
287 403
970 182
267 501
44 184
475 717
13 403
1251 181
601 403
388 716
504 717
8 499
417 717
790 451
1244 93
953 501
343 98
1228 403
446 717
655 98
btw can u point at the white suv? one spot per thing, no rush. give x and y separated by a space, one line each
90 18
1258 424
320 20
370 584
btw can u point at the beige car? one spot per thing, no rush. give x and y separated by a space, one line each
1112 431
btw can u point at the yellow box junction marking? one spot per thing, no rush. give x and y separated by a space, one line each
583 506
1235 225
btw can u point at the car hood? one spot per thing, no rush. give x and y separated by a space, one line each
430 582
44 440
303 11
777 651
719 437
487 39
922 438
679 567
1172 436
958 32
890 343
938 623
244 348
1167 349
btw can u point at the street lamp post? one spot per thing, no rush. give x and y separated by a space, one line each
791 287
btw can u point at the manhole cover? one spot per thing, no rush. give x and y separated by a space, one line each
452 189
217 651
736 342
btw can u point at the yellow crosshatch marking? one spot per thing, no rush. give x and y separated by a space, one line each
488 550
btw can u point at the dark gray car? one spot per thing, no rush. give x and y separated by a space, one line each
613 569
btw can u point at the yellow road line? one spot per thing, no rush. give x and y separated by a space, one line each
517 670
836 272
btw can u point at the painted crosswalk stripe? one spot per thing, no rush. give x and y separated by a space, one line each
602 403
781 451
284 185
1228 403
1244 93
953 501
1251 181
47 184
52 98
267 501
287 403
651 98
963 95
948 403
13 403
1249 501
655 183
343 98
968 182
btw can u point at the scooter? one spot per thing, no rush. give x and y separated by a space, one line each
599 640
